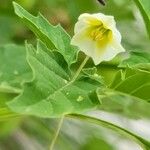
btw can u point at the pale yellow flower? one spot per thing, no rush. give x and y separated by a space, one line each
97 36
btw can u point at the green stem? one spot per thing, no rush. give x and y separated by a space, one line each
62 118
56 133
144 15
79 69
144 143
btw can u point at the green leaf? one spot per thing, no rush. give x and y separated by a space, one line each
54 37
134 83
53 93
5 112
14 70
137 59
144 6
96 143
144 143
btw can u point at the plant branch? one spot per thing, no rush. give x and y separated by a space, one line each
144 15
56 133
79 69
62 118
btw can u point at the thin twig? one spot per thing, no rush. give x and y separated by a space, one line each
56 133
62 118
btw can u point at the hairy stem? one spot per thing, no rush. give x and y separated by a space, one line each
79 69
62 118
144 15
56 133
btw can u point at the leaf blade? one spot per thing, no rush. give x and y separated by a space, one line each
14 70
55 37
52 92
133 81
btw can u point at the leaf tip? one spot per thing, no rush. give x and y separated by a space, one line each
15 5
17 8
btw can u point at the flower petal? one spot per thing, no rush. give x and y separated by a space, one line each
85 44
106 53
118 47
108 21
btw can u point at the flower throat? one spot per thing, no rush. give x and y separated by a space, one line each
99 33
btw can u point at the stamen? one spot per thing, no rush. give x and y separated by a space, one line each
102 35
99 33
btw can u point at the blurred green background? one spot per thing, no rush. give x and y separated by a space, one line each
30 133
